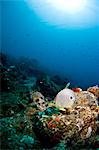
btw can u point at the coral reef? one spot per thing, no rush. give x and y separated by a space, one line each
79 121
15 72
94 90
36 113
49 87
38 100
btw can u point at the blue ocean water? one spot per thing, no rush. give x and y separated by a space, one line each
69 52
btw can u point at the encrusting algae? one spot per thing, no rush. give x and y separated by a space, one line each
36 113
94 90
58 122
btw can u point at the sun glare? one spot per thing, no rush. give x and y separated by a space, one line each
67 13
69 6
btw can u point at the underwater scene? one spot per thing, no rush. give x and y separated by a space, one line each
49 74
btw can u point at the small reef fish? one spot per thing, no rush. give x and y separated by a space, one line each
65 98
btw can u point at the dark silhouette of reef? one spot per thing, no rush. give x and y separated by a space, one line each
49 86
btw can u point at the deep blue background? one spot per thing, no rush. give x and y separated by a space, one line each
73 53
